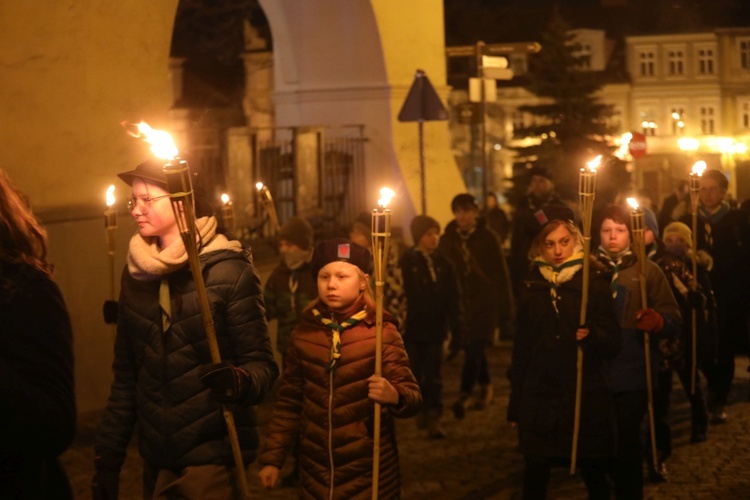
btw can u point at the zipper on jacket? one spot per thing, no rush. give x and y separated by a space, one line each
330 431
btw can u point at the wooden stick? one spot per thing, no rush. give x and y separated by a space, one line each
638 230
381 233
181 195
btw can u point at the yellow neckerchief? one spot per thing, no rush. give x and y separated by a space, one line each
560 274
337 328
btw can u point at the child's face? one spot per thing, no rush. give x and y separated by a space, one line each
286 246
429 240
558 246
675 244
339 285
465 218
615 236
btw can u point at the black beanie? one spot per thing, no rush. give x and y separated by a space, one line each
464 201
340 250
553 211
297 231
420 225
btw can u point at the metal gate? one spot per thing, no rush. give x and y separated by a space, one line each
316 173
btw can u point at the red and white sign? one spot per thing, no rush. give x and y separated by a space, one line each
637 145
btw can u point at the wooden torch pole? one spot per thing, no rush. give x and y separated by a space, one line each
638 222
381 236
586 192
181 195
695 176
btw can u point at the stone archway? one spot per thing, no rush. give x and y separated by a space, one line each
352 62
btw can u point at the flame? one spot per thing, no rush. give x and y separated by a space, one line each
161 142
386 195
633 203
259 186
225 199
594 164
698 168
110 196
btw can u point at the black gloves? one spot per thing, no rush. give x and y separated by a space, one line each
228 383
106 482
110 312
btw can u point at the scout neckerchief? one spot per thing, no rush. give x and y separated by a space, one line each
464 248
556 276
337 329
712 218
430 264
615 263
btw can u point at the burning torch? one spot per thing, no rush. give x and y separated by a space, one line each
267 201
381 236
638 223
695 177
586 192
180 190
227 213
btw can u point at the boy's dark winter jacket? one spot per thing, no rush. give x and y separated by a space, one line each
483 276
433 306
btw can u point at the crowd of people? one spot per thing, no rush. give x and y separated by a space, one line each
573 380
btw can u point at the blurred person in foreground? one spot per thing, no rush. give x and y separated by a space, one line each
37 399
164 379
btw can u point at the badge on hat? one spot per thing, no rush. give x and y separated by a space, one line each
344 251
541 217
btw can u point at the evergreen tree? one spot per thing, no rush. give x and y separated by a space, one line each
571 124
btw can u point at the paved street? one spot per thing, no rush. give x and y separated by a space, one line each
479 458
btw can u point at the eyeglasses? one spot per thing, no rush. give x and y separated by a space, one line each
144 203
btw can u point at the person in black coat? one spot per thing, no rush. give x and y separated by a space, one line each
724 233
486 296
37 392
433 308
544 365
164 378
541 192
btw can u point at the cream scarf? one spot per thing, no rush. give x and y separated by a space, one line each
147 261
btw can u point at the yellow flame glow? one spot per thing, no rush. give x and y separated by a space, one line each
258 186
161 142
110 196
633 203
225 198
698 168
386 195
594 164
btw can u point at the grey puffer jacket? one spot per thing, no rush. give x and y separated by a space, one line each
157 382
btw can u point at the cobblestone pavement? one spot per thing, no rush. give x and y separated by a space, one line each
479 459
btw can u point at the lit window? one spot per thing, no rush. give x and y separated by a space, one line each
705 61
647 63
744 46
707 120
677 116
675 62
745 113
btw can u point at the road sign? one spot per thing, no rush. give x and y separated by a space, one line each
494 49
637 145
